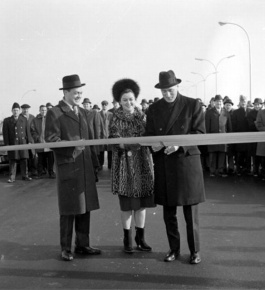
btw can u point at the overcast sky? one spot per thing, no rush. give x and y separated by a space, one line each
105 40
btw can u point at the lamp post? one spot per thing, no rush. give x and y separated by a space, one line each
249 53
204 79
27 93
215 67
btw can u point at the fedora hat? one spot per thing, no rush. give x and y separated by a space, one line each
257 101
167 79
70 82
144 101
228 101
86 101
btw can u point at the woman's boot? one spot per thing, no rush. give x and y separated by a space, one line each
140 241
127 241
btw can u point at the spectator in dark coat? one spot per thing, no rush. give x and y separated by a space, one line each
230 154
45 156
16 131
217 121
240 124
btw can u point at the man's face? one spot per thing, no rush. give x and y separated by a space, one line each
228 107
144 106
43 111
16 112
258 106
25 111
170 94
243 104
218 104
104 106
73 96
87 106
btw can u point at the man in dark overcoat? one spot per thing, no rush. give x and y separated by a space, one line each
77 193
240 124
16 132
178 170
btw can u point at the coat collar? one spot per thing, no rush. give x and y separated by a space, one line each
178 107
67 111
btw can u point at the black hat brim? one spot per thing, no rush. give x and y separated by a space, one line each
158 86
72 87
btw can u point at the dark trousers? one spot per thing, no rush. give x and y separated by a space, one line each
217 162
101 158
243 162
47 159
13 168
82 229
192 225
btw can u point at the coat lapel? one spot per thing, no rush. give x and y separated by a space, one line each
67 111
175 112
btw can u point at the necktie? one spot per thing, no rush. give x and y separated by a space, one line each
75 108
42 129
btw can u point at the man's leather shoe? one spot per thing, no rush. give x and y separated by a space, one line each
195 258
26 178
87 251
67 255
171 256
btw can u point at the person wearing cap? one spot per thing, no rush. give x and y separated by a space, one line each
96 124
33 159
230 154
217 120
96 108
132 172
49 106
16 131
116 105
178 171
144 105
105 121
211 104
45 156
257 149
76 183
240 124
87 104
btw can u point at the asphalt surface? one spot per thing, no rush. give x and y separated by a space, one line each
232 240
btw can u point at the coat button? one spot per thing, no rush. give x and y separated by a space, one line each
160 129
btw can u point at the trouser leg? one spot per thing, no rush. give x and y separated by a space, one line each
192 224
50 159
109 159
24 167
101 158
41 157
82 229
212 161
12 169
171 222
221 162
66 231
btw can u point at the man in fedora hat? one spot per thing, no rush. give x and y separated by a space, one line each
145 105
77 192
178 171
87 104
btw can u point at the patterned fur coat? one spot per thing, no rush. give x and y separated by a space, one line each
132 168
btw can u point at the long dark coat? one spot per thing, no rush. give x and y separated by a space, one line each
36 131
251 118
217 123
240 124
260 125
105 121
16 133
77 192
178 176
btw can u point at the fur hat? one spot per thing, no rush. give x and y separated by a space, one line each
15 106
125 84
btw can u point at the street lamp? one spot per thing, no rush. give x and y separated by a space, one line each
27 93
249 53
203 79
215 67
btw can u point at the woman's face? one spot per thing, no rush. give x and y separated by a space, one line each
128 102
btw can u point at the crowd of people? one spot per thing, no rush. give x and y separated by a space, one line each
234 159
142 177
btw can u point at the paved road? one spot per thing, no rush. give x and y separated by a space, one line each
232 233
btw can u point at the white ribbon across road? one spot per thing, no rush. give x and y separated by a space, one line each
176 140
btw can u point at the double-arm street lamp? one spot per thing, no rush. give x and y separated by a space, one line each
204 80
215 67
249 53
193 85
27 93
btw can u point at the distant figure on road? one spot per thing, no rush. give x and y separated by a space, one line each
132 173
16 131
178 170
77 192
